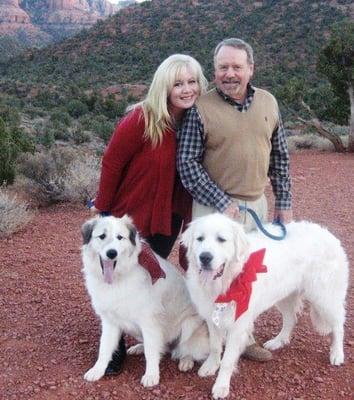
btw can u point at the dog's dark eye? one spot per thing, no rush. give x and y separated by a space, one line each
103 236
119 237
220 239
200 238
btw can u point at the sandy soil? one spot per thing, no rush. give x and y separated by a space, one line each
49 333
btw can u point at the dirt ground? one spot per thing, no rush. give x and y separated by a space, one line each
49 333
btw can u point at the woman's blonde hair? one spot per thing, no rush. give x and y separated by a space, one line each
155 105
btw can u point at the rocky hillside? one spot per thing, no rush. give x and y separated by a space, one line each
39 22
127 47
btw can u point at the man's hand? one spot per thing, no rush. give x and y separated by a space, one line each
94 211
284 216
232 210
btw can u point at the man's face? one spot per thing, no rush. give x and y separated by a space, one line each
233 72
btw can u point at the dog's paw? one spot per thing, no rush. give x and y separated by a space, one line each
185 364
94 374
336 358
276 343
220 392
150 380
208 368
136 350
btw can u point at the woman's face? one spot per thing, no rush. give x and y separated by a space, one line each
184 92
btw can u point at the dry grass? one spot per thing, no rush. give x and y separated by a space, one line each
60 175
14 213
311 141
81 180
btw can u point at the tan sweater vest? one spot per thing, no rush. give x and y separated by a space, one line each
238 144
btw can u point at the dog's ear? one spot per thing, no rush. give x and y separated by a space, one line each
86 230
132 230
241 243
127 219
132 234
187 236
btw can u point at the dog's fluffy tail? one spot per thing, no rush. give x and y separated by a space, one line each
194 340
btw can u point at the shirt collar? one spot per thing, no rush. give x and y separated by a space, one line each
241 106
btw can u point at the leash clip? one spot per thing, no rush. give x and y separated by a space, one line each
90 203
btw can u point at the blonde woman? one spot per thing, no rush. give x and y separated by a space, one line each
138 175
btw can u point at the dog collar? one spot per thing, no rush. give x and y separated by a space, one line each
149 262
240 289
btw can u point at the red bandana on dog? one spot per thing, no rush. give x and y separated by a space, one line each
148 261
241 288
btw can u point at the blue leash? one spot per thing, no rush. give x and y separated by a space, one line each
261 227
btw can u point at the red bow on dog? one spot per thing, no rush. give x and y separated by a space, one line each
148 261
240 289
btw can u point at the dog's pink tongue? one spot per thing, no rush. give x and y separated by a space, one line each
206 276
108 270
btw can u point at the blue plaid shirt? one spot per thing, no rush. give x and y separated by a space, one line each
197 181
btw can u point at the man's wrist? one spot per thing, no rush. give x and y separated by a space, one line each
227 203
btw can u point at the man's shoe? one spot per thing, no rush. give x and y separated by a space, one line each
115 366
255 352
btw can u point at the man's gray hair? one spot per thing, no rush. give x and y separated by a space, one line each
237 44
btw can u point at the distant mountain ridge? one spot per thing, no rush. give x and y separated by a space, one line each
39 22
127 47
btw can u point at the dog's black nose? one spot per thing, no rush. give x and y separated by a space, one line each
112 254
205 258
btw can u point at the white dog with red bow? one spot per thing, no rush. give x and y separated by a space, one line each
233 277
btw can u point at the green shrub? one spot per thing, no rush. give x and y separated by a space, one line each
9 115
47 138
7 155
80 136
111 108
63 134
86 122
76 108
61 117
13 141
103 129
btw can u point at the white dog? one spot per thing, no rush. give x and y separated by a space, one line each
309 264
160 315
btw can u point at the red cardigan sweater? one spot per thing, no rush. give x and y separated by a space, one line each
140 180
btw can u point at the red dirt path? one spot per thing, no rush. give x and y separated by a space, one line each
49 333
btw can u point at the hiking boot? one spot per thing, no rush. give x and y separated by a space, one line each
115 366
255 352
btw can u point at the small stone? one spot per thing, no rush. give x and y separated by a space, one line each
318 379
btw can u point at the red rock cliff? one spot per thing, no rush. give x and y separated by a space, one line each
13 18
58 17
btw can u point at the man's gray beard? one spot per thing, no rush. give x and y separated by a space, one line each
235 92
